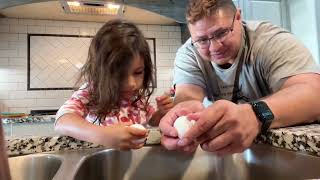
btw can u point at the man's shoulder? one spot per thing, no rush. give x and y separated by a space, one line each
263 28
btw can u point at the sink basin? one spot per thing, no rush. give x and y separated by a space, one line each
259 162
34 167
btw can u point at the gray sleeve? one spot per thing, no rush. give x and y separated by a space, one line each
283 56
186 68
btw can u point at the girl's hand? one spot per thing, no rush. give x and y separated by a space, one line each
124 137
164 103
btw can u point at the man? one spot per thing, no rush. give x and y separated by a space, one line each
257 75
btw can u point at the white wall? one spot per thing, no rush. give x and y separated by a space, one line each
14 96
304 24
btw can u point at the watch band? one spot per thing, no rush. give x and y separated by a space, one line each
263 113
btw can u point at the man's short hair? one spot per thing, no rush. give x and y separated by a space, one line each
197 9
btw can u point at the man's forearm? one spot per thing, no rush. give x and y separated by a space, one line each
186 92
295 104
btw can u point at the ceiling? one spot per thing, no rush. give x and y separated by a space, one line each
165 12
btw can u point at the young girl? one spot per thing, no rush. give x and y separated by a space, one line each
118 76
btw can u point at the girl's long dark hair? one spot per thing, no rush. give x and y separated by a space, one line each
111 51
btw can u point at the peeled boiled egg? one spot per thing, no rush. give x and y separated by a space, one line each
182 125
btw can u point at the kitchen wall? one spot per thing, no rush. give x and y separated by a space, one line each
14 96
304 24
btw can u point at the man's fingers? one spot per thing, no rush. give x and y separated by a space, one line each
218 143
169 142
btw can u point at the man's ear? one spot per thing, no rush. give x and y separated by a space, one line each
238 14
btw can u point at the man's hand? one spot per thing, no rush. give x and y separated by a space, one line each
223 128
169 137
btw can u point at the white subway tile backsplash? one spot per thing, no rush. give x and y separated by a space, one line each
13 21
18 95
17 44
71 30
4 62
29 22
48 102
165 63
169 42
20 103
4 28
21 86
8 86
36 94
54 29
9 37
149 34
143 27
4 94
168 28
154 28
22 52
18 28
174 49
23 37
4 44
162 35
8 53
164 49
20 110
86 31
4 21
17 78
175 35
18 62
165 56
36 29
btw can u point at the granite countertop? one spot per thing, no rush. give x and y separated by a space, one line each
305 138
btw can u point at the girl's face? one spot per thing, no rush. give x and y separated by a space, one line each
134 79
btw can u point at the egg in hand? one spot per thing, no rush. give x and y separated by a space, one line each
182 125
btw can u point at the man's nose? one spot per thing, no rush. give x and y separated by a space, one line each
214 45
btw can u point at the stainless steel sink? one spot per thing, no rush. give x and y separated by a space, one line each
259 162
34 167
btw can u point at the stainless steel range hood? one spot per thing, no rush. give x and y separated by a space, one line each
174 9
92 7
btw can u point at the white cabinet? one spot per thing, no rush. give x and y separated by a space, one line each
274 11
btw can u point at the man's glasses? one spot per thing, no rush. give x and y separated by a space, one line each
219 36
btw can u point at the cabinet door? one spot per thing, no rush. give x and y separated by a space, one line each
274 11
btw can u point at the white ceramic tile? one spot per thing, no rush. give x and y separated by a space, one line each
9 37
4 28
162 35
13 28
168 28
36 29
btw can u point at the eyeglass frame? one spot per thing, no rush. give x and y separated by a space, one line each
214 37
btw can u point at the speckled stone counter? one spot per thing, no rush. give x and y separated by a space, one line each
33 144
299 138
29 119
304 138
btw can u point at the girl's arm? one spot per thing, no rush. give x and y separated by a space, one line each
118 136
164 104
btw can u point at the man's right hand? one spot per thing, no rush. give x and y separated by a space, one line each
170 137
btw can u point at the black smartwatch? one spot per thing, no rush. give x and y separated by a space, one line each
263 113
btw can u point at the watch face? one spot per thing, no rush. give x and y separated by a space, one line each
263 113
267 114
